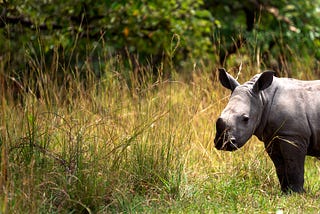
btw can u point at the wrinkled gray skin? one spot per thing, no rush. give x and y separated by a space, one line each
283 113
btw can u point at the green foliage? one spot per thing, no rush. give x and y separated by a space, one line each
148 26
166 35
83 31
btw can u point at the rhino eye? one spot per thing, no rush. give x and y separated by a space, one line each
245 118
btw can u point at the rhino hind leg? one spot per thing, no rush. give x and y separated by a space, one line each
289 163
294 159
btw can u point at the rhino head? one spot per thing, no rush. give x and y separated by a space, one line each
242 115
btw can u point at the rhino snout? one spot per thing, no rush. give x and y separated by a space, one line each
224 140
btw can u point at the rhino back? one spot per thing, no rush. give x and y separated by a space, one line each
293 111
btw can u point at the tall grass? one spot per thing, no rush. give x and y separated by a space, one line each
108 147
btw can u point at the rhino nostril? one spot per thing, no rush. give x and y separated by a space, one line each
232 141
232 144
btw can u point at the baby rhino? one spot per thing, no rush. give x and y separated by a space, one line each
283 113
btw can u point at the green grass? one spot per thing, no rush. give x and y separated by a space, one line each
110 148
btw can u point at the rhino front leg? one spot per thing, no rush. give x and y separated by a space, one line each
289 163
278 162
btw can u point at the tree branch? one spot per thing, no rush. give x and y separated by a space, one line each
5 20
275 12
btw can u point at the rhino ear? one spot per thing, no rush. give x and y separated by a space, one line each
227 80
264 81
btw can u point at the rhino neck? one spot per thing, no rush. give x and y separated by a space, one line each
267 97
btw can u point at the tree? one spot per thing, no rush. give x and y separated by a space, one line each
275 28
80 34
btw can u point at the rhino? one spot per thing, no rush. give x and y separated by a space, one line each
284 113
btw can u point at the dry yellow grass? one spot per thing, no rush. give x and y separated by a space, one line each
110 148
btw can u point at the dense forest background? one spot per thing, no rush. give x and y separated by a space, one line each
63 37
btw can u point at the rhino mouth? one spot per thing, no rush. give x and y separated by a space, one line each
225 143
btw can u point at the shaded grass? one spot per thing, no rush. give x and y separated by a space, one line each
108 148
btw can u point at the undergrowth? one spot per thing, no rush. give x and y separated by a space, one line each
109 147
